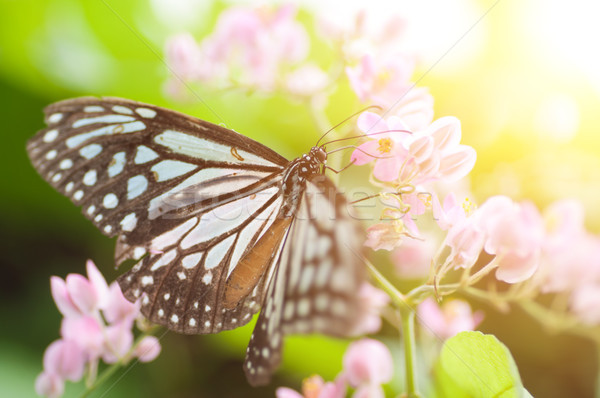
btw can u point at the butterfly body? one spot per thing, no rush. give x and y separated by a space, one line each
221 225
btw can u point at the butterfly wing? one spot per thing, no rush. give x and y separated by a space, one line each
194 195
315 284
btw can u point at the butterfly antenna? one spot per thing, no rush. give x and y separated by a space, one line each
367 135
346 119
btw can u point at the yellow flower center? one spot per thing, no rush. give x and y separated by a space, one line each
385 145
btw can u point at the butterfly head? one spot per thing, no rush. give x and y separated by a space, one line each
319 153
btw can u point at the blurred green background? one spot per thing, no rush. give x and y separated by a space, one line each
524 81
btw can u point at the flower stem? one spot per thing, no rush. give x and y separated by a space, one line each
407 315
408 332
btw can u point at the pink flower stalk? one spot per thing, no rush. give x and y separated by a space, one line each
514 233
454 316
248 47
374 301
97 323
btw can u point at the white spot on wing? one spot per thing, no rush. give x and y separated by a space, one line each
138 252
66 164
69 186
136 186
77 140
108 229
91 210
191 260
165 259
117 164
110 201
50 135
56 177
103 119
129 222
192 322
51 154
93 108
78 195
90 151
55 118
196 147
122 109
170 237
147 280
217 253
90 178
146 112
207 278
144 155
168 169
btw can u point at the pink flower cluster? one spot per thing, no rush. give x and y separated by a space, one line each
97 324
250 47
454 316
367 365
413 156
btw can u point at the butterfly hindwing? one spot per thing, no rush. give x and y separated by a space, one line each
314 289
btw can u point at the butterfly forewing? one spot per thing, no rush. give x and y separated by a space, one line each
315 282
119 160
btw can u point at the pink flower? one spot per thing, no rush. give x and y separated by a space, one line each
118 308
248 47
118 342
384 236
77 295
49 385
374 301
285 392
514 233
65 359
97 324
585 303
437 153
147 349
413 257
368 362
453 317
86 332
307 80
381 80
183 56
315 387
466 239
385 146
449 214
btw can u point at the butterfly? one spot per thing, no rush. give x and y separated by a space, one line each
220 225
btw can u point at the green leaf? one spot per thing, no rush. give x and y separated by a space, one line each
473 364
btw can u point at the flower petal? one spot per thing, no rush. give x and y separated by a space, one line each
147 349
370 123
65 359
458 163
368 361
61 297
